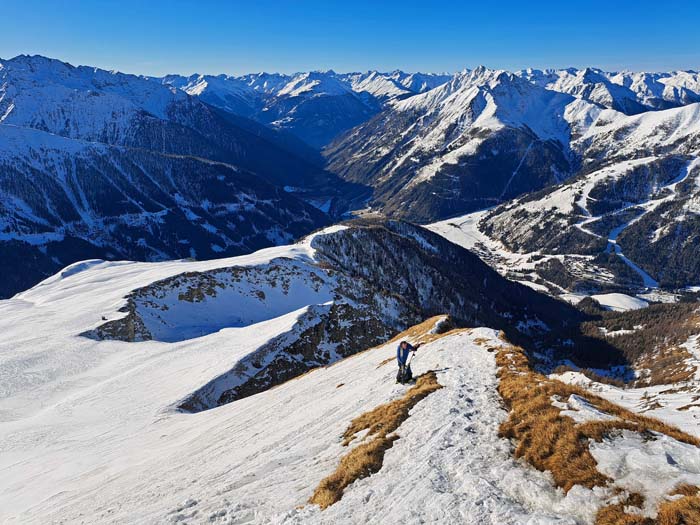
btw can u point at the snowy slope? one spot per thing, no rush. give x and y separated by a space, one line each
420 82
114 108
628 92
108 165
614 135
229 93
637 209
87 437
486 136
86 429
497 99
100 430
355 305
78 102
676 404
382 86
314 83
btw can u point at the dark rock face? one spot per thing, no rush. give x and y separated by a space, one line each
359 316
438 277
343 327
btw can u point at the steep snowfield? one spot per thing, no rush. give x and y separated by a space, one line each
90 432
378 85
230 93
78 102
72 302
314 83
587 83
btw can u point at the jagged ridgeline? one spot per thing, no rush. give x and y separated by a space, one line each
365 283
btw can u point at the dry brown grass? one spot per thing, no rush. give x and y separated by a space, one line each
685 489
367 458
387 417
385 361
616 515
543 437
681 511
555 443
667 366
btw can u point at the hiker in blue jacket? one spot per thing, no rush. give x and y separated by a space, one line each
402 353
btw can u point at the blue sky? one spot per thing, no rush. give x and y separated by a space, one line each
159 37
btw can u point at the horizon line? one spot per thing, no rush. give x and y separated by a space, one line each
331 70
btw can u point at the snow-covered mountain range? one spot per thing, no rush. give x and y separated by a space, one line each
237 376
479 139
315 106
123 160
627 92
487 136
104 164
